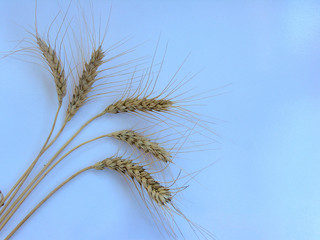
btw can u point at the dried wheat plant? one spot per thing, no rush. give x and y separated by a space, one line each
144 159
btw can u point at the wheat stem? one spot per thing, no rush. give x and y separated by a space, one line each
8 214
56 137
51 168
45 199
14 190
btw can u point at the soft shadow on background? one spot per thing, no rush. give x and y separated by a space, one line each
265 180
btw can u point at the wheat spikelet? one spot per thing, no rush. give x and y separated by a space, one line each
86 80
160 194
142 105
55 65
143 143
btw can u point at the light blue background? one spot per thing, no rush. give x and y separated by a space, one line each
265 182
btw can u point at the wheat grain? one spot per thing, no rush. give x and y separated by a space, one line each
55 66
143 143
160 194
141 105
86 80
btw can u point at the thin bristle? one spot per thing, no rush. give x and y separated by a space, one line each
160 194
86 80
143 143
55 65
140 105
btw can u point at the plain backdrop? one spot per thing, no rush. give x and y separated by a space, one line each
260 61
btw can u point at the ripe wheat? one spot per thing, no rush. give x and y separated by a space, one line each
140 105
86 80
143 143
141 101
55 66
160 194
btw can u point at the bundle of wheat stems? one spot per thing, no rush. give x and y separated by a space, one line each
141 102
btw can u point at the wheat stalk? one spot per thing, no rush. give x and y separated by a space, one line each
86 80
143 143
26 192
44 200
160 194
58 74
55 66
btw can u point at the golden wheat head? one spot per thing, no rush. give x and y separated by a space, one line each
160 194
140 105
55 66
143 143
86 80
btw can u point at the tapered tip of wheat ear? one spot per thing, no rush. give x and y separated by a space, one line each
160 194
86 80
140 104
143 143
55 66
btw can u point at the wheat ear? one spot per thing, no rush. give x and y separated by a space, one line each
86 80
55 66
143 143
160 194
140 104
